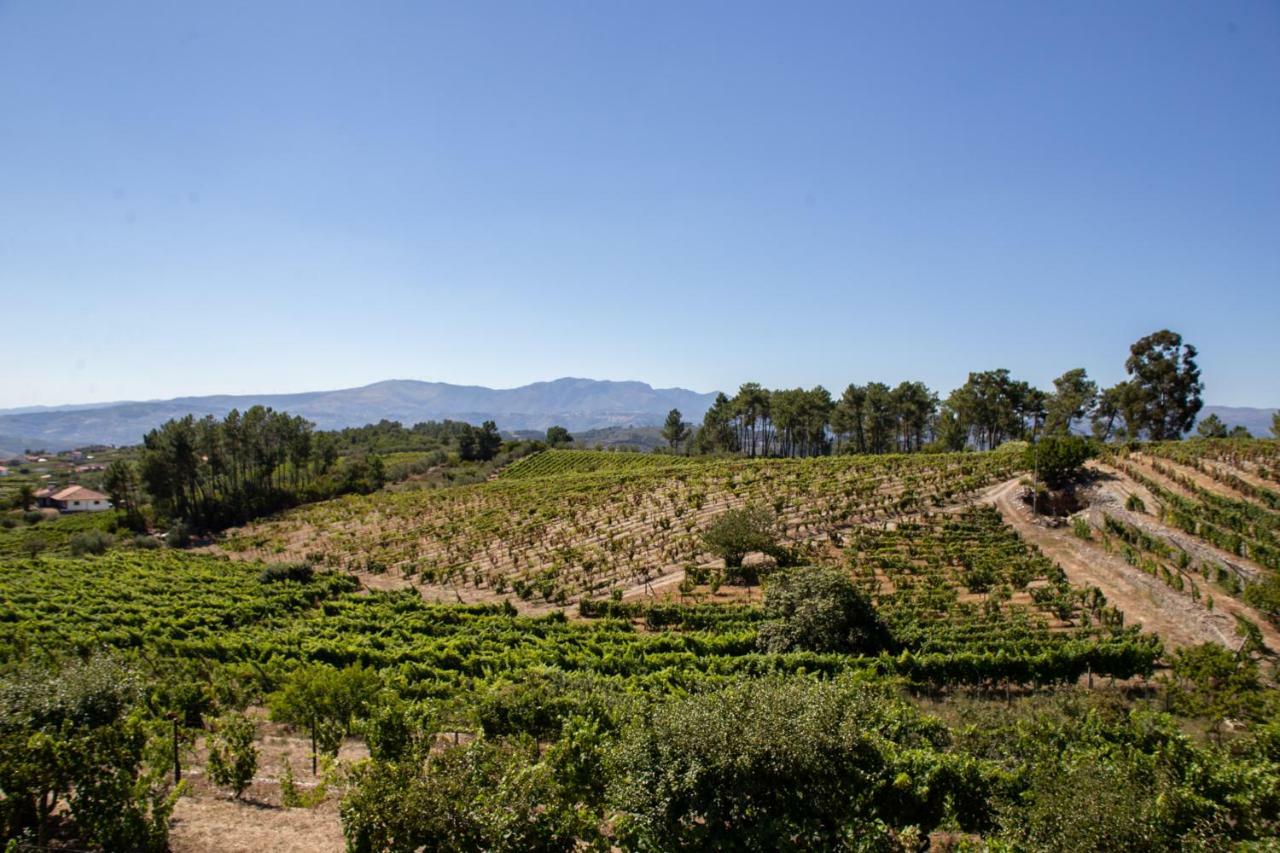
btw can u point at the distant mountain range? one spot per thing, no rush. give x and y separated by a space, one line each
577 404
1257 421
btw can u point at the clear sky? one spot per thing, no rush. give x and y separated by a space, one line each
273 196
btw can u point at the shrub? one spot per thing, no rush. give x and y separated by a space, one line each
179 536
1080 527
233 758
1134 504
300 572
90 542
33 516
819 610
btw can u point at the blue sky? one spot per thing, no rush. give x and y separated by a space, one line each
272 196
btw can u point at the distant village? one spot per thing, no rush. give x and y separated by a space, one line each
69 481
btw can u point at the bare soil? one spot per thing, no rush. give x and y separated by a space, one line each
209 820
1145 600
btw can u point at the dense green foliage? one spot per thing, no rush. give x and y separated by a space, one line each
1059 459
819 610
77 737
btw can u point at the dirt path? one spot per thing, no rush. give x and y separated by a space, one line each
1145 600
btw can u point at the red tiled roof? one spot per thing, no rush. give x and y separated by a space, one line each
78 493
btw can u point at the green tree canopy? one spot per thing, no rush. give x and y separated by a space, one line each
674 429
1211 427
1166 386
737 532
558 435
1074 397
818 609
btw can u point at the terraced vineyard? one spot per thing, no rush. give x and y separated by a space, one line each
219 612
966 588
564 524
1223 493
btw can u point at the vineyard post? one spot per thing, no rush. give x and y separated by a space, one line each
177 763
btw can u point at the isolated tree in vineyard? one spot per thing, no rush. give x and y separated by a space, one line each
738 532
26 496
1167 386
818 609
675 430
558 435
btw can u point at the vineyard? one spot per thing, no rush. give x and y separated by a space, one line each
562 525
595 684
1030 628
1221 493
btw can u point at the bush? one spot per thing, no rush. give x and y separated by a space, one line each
1134 504
300 572
482 796
784 764
233 758
90 542
179 536
33 516
33 545
818 610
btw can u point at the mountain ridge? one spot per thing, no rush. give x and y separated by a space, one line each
577 403
573 402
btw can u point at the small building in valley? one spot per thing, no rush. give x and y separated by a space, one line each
76 499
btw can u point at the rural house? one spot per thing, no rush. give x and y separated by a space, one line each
74 499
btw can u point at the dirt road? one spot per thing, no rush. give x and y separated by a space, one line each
1146 600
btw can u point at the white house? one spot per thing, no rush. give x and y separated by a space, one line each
79 499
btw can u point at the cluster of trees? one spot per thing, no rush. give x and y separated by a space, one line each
212 473
209 473
1159 400
1213 427
470 442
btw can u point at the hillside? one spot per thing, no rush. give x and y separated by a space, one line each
578 404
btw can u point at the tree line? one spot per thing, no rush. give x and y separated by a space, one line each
1159 400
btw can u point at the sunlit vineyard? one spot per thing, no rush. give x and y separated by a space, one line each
564 524
224 612
1226 493
965 586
